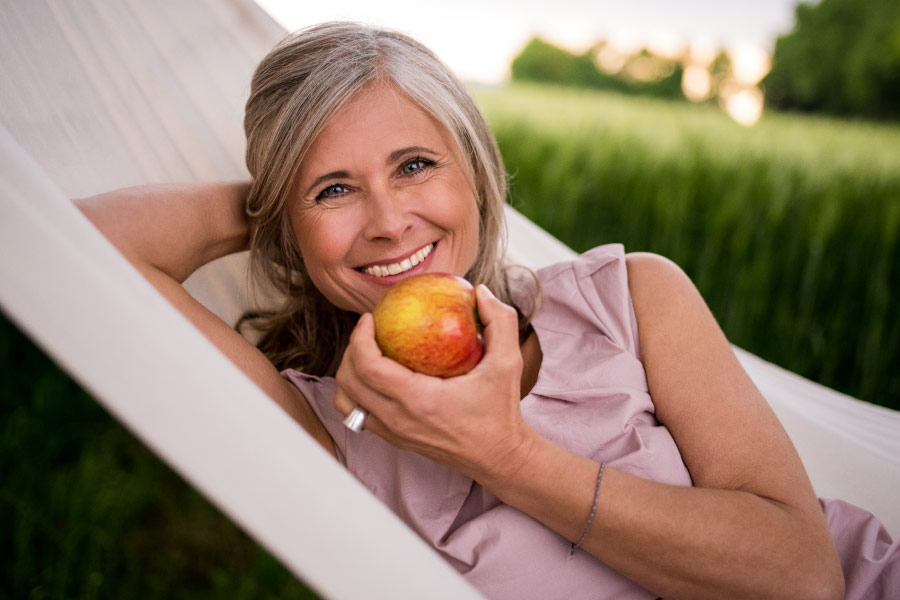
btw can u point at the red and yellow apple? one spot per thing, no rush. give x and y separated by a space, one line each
429 323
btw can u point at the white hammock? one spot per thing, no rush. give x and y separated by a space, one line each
97 95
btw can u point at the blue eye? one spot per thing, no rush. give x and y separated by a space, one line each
332 191
415 165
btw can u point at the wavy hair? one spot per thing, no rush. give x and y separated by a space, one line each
295 89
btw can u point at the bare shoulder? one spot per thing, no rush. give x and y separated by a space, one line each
649 273
661 290
675 326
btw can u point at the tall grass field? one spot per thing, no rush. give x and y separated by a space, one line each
789 229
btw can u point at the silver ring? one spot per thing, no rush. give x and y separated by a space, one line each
354 421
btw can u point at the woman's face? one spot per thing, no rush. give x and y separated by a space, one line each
382 194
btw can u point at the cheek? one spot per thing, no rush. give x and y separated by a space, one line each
455 208
320 242
471 220
460 215
472 227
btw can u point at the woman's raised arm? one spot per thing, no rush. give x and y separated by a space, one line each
172 228
167 232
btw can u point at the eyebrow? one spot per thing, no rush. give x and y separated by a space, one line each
323 178
392 158
398 154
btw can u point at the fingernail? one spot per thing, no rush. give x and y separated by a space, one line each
485 290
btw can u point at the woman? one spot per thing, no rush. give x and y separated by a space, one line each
547 471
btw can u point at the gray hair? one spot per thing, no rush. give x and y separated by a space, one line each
296 88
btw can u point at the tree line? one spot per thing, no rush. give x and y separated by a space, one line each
842 57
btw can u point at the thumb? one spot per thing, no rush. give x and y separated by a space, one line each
365 326
500 321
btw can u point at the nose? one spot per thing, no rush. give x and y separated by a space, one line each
388 216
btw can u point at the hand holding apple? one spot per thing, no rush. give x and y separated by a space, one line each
429 324
471 424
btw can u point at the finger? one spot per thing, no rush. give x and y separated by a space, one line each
342 402
345 402
501 323
361 346
356 420
365 354
363 337
373 404
366 378
375 370
351 390
361 356
373 424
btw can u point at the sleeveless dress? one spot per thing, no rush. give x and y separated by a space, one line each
591 397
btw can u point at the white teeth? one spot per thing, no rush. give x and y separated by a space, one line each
405 265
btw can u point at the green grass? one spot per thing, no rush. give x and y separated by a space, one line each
790 229
90 513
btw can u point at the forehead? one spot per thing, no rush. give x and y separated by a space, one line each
378 115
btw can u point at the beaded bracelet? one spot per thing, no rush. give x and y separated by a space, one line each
593 511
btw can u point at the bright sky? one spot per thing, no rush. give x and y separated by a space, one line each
479 38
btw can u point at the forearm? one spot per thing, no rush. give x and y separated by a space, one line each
678 542
174 228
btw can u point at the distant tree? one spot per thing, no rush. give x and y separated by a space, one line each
543 62
668 86
842 57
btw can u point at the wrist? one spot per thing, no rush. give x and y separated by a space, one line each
510 476
549 483
512 462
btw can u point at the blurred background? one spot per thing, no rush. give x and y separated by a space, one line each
841 58
756 144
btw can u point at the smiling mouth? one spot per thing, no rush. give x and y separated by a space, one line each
400 267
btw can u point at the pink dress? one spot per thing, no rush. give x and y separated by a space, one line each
591 397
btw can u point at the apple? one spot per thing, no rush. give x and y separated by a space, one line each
429 323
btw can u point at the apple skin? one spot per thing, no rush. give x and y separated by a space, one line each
429 323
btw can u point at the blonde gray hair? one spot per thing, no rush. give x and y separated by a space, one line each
296 88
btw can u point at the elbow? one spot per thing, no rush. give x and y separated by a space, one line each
811 571
827 590
825 581
818 574
833 588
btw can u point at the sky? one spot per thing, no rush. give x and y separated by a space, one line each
479 38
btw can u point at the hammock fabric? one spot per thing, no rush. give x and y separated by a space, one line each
98 95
